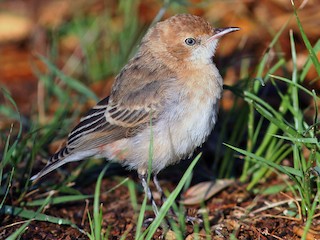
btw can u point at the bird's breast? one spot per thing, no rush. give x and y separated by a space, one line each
192 118
193 123
186 119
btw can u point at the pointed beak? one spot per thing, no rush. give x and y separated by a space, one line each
219 32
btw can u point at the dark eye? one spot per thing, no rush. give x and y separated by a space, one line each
190 41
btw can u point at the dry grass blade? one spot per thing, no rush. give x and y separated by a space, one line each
280 203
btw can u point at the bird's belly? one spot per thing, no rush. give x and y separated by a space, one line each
191 129
177 136
169 140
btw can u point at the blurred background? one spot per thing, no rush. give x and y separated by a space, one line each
90 40
59 57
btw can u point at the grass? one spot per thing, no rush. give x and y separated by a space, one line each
96 223
289 134
272 134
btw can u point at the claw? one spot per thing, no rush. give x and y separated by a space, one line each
194 220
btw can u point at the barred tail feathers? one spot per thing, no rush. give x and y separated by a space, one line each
61 158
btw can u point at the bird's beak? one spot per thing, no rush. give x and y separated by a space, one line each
219 32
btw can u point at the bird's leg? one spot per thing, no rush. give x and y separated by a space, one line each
159 189
163 197
143 178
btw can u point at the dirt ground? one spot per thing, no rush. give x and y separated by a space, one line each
231 211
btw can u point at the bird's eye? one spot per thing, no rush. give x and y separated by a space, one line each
190 41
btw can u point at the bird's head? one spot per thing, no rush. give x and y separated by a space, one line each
185 38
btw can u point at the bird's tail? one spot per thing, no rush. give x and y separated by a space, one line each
57 161
48 168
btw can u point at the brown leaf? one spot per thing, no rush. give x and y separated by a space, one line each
205 190
311 235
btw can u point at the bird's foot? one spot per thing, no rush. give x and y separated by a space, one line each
147 222
194 220
187 218
164 225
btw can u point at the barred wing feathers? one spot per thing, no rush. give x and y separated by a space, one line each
124 114
102 125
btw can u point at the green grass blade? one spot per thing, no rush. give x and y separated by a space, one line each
308 64
74 84
276 156
262 160
29 214
294 90
165 207
306 41
269 113
294 84
141 217
144 203
91 236
8 151
17 233
97 219
7 189
265 58
59 200
305 140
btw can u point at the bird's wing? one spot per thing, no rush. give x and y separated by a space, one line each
102 125
113 118
106 123
138 97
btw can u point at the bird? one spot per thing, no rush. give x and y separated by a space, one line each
167 94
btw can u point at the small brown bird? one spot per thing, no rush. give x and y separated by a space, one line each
168 93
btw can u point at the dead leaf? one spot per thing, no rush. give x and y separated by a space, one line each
205 190
311 235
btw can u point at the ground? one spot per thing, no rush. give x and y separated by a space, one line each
233 210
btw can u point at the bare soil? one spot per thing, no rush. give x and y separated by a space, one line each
232 211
